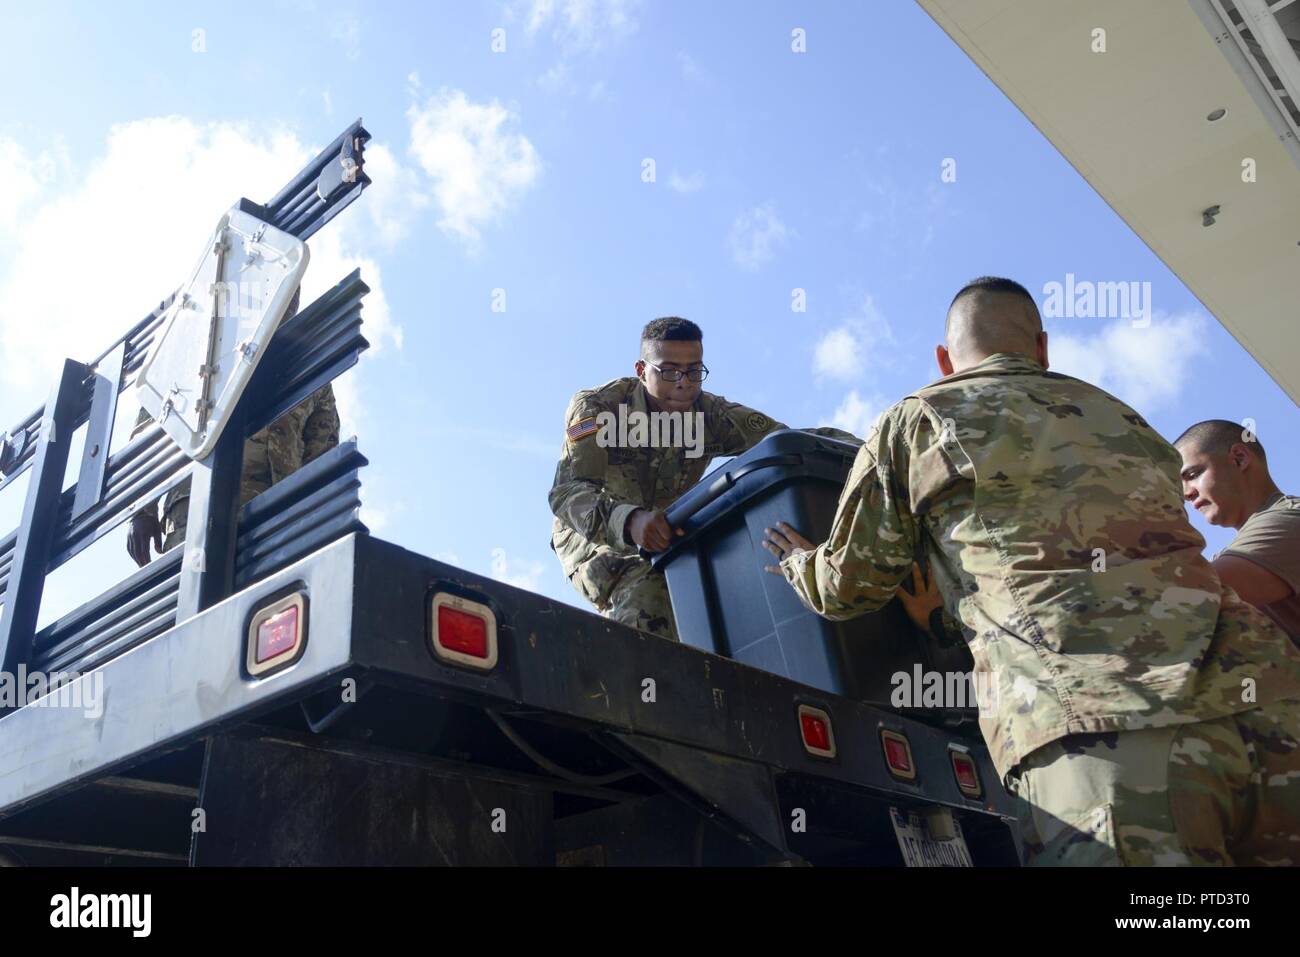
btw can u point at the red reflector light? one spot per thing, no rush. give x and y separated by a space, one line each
968 778
815 729
815 734
462 632
899 759
277 634
898 755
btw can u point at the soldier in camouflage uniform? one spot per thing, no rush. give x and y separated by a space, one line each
301 435
609 499
1143 711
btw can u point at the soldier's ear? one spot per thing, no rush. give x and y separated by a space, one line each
1042 350
945 361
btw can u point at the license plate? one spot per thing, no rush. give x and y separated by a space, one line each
921 850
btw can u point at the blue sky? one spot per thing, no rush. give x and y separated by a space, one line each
523 171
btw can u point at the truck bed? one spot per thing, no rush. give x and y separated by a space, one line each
714 769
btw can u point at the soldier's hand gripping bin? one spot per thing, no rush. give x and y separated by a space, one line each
632 446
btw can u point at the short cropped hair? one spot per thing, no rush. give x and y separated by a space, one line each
672 329
1217 436
993 284
990 332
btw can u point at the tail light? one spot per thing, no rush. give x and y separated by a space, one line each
898 755
965 771
815 729
277 635
463 632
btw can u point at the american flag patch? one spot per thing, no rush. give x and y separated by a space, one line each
582 428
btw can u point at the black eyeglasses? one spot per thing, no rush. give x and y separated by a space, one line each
698 374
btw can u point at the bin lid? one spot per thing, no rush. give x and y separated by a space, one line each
780 457
217 328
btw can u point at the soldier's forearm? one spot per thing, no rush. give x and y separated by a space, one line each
827 593
592 514
618 521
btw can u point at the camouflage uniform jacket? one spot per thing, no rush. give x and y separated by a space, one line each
304 433
596 488
1053 518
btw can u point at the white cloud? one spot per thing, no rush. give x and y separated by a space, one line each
520 573
580 26
164 183
755 236
556 79
347 32
28 177
397 196
329 102
1145 367
871 322
838 354
479 167
857 414
94 257
686 184
694 73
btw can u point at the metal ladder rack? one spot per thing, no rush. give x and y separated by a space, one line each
309 351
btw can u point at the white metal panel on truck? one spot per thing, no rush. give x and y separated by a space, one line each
217 329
